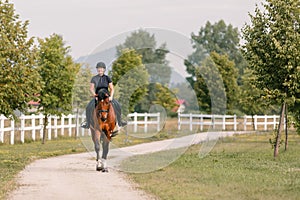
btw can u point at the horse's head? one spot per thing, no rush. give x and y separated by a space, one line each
103 104
103 109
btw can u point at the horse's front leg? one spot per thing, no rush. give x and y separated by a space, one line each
105 147
97 150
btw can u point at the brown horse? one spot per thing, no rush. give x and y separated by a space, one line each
102 128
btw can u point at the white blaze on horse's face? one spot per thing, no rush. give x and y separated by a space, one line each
104 109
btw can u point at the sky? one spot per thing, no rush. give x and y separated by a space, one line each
86 24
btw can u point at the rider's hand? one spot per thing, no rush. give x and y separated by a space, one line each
110 98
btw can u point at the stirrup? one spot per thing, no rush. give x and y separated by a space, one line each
115 133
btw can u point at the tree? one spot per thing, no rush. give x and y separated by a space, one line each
251 100
154 59
81 96
19 79
229 74
214 69
58 72
220 38
272 49
131 77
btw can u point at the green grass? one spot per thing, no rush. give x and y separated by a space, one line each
241 167
13 158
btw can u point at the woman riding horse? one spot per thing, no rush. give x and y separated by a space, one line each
95 120
102 81
102 127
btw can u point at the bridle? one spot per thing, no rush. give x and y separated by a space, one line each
103 111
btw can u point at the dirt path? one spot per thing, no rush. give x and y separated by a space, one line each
74 176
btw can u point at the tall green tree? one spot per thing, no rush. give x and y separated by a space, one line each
220 38
58 72
131 78
19 79
208 81
154 59
272 49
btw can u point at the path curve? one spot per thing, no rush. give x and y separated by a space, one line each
74 176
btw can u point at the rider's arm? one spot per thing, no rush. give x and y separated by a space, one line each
111 89
92 89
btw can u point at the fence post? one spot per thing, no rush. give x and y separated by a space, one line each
191 121
42 125
213 122
224 123
70 124
266 122
22 128
33 126
234 122
49 127
2 118
77 124
12 132
145 122
135 122
178 122
55 127
201 122
62 124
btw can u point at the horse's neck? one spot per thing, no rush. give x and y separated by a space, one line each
111 111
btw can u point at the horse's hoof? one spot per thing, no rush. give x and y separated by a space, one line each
104 170
99 169
115 133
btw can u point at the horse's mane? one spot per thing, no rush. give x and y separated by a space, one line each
103 94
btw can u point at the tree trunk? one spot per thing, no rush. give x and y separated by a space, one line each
45 128
286 129
253 125
276 147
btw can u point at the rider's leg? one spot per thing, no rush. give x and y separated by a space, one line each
89 113
117 109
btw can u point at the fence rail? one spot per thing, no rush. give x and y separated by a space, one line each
223 122
148 119
31 126
34 125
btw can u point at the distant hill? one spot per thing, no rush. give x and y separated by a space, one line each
107 56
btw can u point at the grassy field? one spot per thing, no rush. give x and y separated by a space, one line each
241 167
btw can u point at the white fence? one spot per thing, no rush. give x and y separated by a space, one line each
148 119
31 126
34 125
228 122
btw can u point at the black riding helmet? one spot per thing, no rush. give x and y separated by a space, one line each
101 65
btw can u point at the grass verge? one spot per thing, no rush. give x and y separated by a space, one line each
241 167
